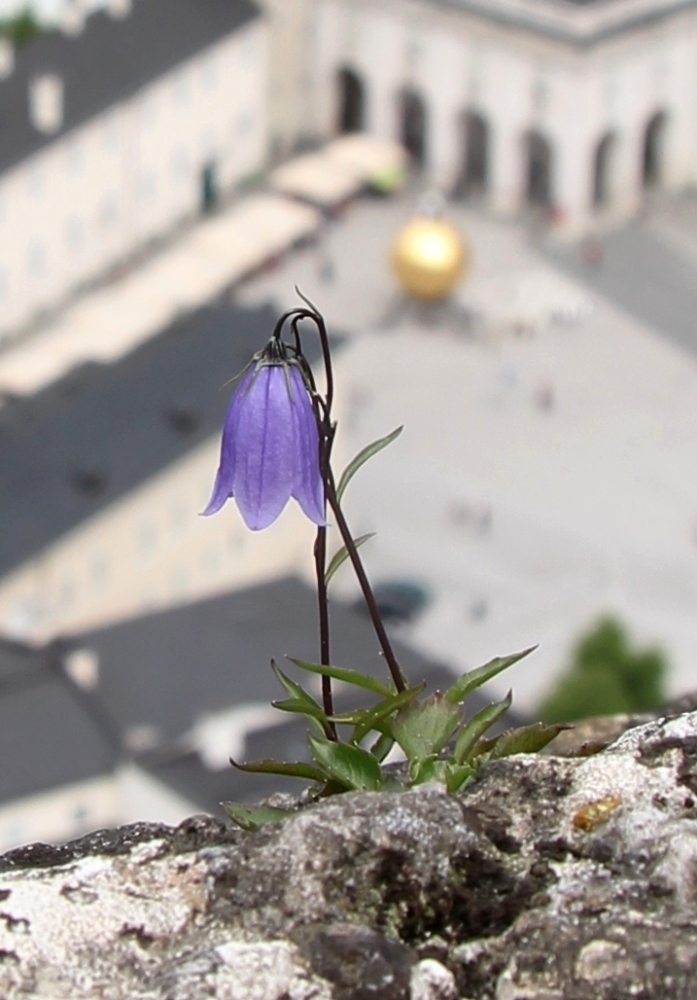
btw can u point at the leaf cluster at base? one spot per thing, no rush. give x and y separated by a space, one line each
437 739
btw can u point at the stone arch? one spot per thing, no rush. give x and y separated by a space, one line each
538 169
413 125
475 138
653 151
351 103
603 163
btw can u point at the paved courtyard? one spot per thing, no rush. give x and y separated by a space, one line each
547 472
648 268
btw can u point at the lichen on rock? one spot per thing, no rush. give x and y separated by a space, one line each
549 878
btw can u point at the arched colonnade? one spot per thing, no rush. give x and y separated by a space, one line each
538 155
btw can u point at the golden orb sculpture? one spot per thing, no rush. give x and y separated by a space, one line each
429 257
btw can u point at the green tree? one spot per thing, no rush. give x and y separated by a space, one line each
606 676
22 27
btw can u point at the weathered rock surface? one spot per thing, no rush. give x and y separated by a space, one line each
556 878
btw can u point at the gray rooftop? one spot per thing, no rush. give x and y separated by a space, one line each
109 61
87 440
562 21
167 669
50 736
164 671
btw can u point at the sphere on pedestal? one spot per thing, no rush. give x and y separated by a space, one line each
429 257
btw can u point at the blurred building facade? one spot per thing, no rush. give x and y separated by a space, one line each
105 473
118 128
137 720
577 109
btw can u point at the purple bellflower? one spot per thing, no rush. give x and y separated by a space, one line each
270 446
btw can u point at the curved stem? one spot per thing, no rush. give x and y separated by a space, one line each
376 618
323 604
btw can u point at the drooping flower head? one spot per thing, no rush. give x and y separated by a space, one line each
270 446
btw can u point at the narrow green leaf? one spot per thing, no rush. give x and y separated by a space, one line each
295 770
456 776
475 678
372 717
300 702
252 817
340 557
314 720
527 739
362 457
353 767
347 676
471 733
423 728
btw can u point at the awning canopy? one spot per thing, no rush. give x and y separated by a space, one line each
113 320
318 178
368 154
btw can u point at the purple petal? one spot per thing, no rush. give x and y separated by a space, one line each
222 488
264 439
308 488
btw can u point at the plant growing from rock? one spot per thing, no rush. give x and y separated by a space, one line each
277 444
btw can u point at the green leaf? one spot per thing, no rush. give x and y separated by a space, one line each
471 733
300 702
431 769
353 767
457 775
527 739
295 770
362 457
252 817
372 717
340 557
423 728
347 676
475 678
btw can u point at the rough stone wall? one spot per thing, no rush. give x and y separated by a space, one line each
549 878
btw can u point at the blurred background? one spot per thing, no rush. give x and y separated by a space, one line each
493 204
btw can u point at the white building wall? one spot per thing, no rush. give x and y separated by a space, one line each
519 81
141 798
94 196
149 551
60 814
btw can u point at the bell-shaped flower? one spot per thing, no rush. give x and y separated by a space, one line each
270 447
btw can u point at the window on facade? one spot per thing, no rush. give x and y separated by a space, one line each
35 182
245 122
210 561
147 537
74 233
100 569
182 89
209 74
111 134
150 110
74 157
148 186
180 583
180 163
66 593
109 211
81 816
181 514
36 259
